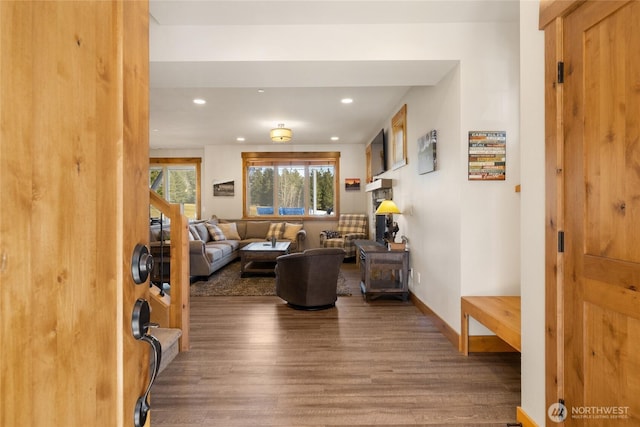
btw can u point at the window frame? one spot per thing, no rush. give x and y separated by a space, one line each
182 161
285 159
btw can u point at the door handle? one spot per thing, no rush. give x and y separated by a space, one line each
140 324
141 264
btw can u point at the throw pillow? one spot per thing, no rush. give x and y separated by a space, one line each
216 233
202 231
275 230
194 232
230 230
291 230
331 234
257 229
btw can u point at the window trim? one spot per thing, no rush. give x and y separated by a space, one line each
187 161
284 156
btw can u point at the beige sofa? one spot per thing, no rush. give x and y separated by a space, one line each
216 242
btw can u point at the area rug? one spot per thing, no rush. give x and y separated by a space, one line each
227 282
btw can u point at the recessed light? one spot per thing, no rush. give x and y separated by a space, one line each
155 130
346 100
199 101
260 90
334 138
240 139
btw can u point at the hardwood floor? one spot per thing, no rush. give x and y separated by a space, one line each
256 362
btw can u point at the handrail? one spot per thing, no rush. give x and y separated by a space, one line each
179 271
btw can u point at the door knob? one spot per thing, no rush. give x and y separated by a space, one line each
141 263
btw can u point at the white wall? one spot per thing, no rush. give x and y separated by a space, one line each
190 152
532 214
490 211
431 202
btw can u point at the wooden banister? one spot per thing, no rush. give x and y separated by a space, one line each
179 271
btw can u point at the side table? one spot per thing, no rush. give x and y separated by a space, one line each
382 272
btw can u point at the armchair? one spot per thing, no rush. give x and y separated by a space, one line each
351 227
309 280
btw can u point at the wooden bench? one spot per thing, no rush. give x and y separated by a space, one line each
501 314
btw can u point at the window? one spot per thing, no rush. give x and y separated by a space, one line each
290 184
177 180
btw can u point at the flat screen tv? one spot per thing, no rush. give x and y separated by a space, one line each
378 154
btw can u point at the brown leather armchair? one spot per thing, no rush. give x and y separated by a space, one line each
309 280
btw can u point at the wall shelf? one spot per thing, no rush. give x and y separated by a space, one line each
378 184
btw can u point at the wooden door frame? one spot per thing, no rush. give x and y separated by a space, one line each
552 14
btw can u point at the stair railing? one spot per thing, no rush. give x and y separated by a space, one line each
179 266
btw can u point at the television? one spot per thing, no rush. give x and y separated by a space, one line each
378 160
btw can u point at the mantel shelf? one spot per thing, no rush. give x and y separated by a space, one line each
378 184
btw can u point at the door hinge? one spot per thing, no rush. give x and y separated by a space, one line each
560 72
560 241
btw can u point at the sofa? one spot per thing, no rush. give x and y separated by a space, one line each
214 243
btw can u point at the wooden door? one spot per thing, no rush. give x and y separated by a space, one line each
599 301
73 204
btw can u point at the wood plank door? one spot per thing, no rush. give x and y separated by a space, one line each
73 204
601 113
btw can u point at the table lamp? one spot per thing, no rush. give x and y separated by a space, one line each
388 208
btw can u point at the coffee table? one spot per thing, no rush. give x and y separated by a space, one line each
260 257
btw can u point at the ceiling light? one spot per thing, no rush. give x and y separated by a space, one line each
334 138
281 134
260 90
346 100
199 101
240 139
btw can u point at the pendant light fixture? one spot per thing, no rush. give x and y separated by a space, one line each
281 134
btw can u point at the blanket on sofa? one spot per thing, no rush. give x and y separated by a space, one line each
227 282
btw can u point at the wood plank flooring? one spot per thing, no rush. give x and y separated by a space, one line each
256 362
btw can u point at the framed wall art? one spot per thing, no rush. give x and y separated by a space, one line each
427 152
224 189
487 155
399 138
352 184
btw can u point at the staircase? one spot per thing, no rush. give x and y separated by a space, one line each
172 311
170 341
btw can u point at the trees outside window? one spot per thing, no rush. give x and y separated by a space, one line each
290 184
177 180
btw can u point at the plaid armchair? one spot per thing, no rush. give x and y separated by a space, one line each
350 227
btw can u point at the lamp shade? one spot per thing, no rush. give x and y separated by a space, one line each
281 134
387 207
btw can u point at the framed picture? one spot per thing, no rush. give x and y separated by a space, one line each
487 155
427 152
352 184
399 138
224 189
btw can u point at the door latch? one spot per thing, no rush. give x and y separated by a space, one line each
141 264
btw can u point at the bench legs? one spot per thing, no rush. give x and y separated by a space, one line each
464 334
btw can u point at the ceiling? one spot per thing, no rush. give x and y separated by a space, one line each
304 94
